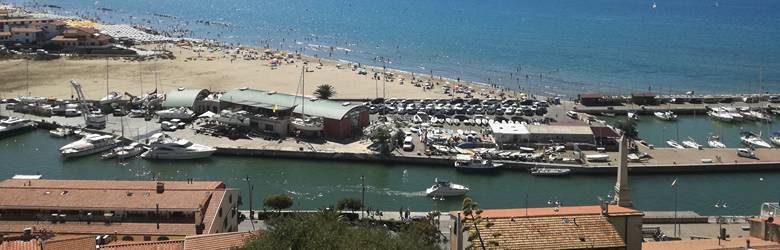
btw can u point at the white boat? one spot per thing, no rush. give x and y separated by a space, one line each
308 124
468 163
775 111
674 144
714 142
176 113
752 140
720 115
135 113
110 98
757 116
444 188
597 158
633 116
691 143
162 146
549 171
132 150
572 114
61 132
14 125
90 144
775 138
666 115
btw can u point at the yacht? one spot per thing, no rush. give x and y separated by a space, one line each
714 142
176 113
775 138
163 146
444 188
674 144
14 125
468 163
666 115
752 140
691 143
90 144
549 171
720 115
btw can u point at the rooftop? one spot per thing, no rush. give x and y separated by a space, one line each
182 97
66 198
591 96
268 100
217 241
25 30
562 211
733 243
145 245
560 129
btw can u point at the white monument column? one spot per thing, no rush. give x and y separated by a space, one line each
622 191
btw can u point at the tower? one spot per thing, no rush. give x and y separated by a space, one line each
622 191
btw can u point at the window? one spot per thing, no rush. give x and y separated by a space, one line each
163 238
127 238
220 213
147 237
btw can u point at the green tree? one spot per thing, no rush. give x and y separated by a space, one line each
628 126
324 91
383 138
472 219
325 230
350 204
278 201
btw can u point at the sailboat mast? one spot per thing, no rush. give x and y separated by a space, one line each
106 76
303 90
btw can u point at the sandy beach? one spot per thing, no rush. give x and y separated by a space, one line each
219 73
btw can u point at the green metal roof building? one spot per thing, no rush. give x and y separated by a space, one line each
182 97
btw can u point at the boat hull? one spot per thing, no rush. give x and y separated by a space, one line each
159 155
9 133
93 150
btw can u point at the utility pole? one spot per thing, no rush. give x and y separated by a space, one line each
251 212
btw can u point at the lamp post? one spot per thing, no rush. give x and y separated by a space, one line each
720 205
251 212
363 199
674 185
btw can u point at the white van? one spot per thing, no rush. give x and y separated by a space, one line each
408 145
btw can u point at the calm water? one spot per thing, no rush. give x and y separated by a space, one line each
614 46
315 184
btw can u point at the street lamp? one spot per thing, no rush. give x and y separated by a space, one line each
363 200
720 205
251 212
674 185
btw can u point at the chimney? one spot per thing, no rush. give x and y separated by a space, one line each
160 187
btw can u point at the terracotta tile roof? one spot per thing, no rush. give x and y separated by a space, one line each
591 96
546 211
25 30
5 33
217 241
733 243
211 212
22 198
553 232
20 245
30 20
68 242
168 229
145 245
64 39
113 184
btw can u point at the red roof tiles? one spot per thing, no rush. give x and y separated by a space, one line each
145 245
217 241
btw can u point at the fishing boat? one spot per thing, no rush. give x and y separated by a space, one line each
90 144
110 98
444 188
691 143
12 126
469 163
537 171
674 144
753 140
665 115
775 138
714 142
597 158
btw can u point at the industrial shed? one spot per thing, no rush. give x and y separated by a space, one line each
523 134
187 98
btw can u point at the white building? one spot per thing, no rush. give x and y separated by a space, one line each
524 134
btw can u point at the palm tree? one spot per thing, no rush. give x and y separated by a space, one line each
324 91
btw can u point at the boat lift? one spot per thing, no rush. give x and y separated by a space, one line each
96 121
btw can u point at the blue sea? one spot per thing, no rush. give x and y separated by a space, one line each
543 46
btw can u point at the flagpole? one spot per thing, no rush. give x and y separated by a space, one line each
674 184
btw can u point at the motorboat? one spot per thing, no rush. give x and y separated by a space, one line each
537 171
753 140
775 138
444 188
176 113
691 143
61 132
633 116
757 116
666 115
110 98
597 158
607 114
89 144
720 115
714 142
469 163
308 123
132 150
674 144
14 125
135 113
163 146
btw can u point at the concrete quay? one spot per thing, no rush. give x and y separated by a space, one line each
683 108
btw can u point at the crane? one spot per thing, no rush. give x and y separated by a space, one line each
97 121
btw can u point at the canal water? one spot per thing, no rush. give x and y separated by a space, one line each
315 184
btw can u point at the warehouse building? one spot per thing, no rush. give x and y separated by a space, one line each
513 134
187 98
341 120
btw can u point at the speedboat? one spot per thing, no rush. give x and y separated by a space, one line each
176 113
691 143
549 171
132 150
666 115
674 144
444 188
753 140
163 146
110 98
90 144
633 116
14 125
775 138
61 132
714 142
468 163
